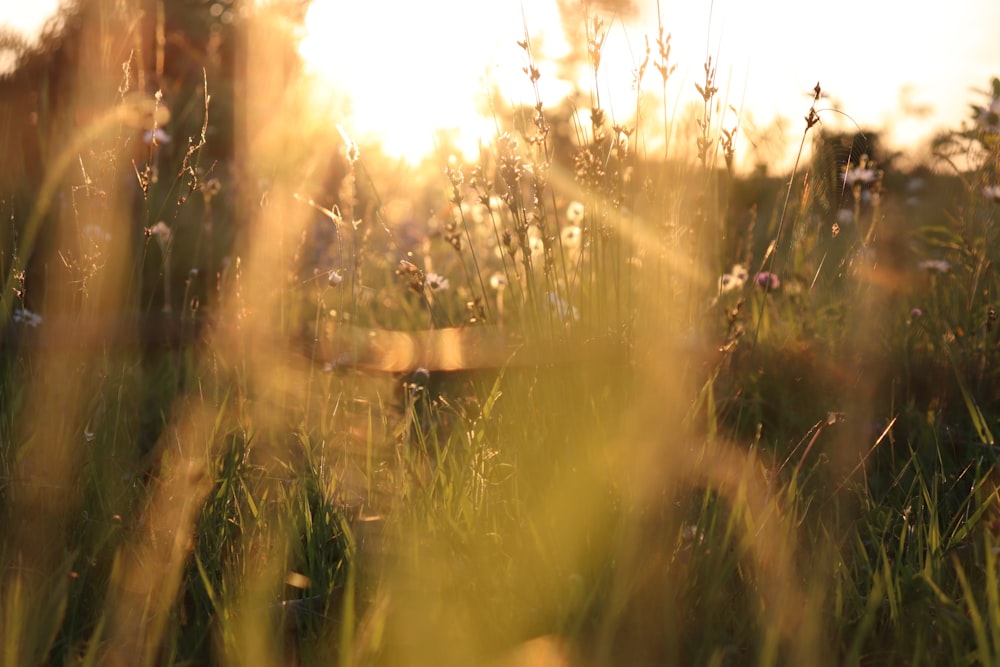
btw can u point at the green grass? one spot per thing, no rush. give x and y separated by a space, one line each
655 468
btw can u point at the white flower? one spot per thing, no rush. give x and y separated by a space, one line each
845 216
992 192
160 231
334 278
574 213
934 266
157 135
436 283
571 236
26 317
498 281
729 283
860 176
734 280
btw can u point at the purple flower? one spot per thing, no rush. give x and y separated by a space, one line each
767 280
915 313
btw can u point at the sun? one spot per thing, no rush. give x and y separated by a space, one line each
416 76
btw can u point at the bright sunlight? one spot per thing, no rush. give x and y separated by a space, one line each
416 81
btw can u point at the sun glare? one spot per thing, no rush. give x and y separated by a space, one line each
415 78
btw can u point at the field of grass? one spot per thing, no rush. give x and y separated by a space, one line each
266 398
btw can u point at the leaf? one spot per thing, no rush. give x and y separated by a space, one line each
975 413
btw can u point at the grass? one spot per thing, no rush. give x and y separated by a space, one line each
672 415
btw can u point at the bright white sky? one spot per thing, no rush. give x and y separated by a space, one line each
411 67
873 57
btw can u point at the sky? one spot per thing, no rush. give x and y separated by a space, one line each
906 67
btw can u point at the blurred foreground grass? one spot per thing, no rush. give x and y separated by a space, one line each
605 409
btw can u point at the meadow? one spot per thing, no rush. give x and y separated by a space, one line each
269 397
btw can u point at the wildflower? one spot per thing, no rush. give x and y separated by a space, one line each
26 317
334 278
860 176
934 266
989 117
845 216
212 188
767 280
727 283
160 231
992 192
574 213
436 283
498 281
157 137
571 236
733 280
916 313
